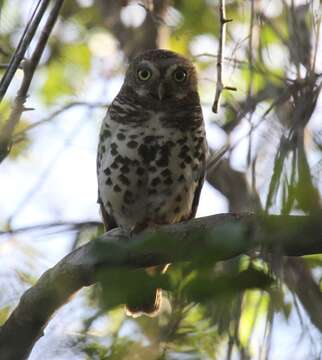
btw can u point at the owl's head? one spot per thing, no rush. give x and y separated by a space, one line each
161 75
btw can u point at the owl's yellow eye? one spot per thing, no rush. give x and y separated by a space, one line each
144 74
180 75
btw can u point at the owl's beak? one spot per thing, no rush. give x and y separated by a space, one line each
161 91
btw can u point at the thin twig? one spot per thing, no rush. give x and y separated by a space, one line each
29 67
18 136
220 86
59 226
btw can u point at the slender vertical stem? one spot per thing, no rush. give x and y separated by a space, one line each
220 86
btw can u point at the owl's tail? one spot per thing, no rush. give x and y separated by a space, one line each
150 306
150 302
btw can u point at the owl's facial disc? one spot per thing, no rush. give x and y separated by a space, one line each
166 80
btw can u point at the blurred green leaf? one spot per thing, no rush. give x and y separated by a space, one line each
66 74
124 286
204 286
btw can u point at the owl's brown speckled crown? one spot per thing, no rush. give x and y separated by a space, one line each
158 54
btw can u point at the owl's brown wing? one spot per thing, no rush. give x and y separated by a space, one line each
196 197
108 220
104 142
200 179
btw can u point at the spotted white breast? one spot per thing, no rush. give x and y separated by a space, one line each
149 174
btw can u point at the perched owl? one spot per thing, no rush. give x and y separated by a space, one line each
152 150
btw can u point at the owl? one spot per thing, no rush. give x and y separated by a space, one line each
152 150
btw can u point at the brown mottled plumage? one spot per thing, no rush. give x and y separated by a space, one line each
152 150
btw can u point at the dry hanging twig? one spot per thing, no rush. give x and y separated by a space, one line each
220 86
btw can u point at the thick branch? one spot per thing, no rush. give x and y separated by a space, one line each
220 236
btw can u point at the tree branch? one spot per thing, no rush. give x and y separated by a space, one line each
221 236
23 45
29 67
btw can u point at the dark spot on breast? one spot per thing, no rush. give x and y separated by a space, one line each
147 153
178 198
140 171
182 165
108 181
107 171
181 178
116 188
168 181
135 163
114 165
133 136
139 183
164 156
155 181
113 146
125 169
105 134
119 159
132 144
114 152
152 169
188 159
127 160
121 136
166 172
103 149
124 179
148 139
176 210
152 191
108 204
162 162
